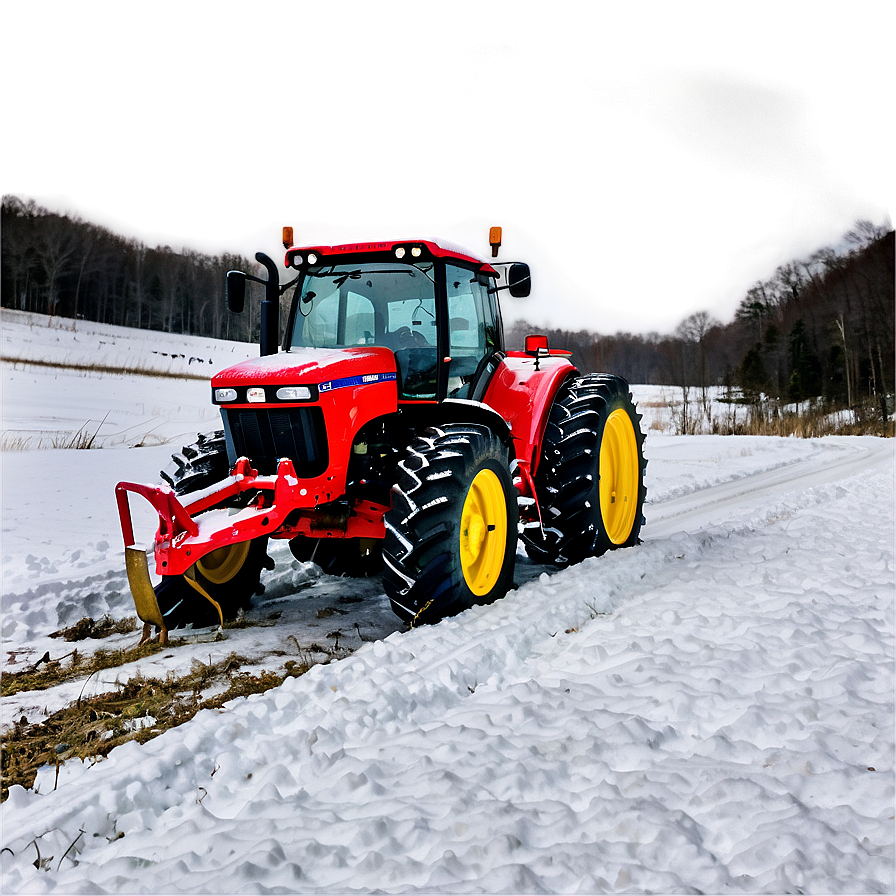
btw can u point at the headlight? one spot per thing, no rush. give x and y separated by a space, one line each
399 252
225 394
294 393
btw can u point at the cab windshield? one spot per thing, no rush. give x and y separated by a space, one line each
391 305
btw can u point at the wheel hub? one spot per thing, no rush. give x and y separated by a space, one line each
483 533
618 476
222 565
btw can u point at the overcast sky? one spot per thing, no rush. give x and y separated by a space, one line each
649 159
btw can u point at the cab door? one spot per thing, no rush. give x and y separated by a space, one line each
474 333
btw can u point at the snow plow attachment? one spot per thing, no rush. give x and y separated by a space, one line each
142 591
216 519
172 517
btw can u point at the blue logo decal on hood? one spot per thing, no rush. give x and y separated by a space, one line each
363 380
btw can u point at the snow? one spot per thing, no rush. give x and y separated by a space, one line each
711 711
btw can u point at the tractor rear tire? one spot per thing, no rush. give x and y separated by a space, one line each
590 479
352 557
451 531
199 465
230 575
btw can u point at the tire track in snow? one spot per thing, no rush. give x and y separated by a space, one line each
98 594
843 457
436 725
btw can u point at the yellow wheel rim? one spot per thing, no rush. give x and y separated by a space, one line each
222 565
483 533
619 476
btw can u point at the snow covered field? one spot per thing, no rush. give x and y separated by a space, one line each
711 711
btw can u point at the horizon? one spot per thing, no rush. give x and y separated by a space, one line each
648 163
268 241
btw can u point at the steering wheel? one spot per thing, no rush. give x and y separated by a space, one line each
408 338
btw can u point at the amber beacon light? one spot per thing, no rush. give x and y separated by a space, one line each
494 239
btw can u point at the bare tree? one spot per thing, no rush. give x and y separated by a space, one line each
694 330
55 253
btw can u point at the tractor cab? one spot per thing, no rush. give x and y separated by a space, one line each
434 306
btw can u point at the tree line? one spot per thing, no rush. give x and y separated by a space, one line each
819 328
63 266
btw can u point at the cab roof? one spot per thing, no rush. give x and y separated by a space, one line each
428 250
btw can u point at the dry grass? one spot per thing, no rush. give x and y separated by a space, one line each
769 418
812 423
48 671
87 627
140 710
13 441
104 369
82 439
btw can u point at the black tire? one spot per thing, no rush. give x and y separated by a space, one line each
451 531
230 575
592 455
198 465
353 557
181 605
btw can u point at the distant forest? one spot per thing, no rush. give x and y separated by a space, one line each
819 328
66 267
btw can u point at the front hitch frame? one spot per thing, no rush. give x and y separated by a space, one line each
209 521
183 536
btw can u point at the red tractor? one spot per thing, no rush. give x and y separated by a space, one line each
391 430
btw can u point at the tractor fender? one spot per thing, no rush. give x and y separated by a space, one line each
465 410
522 392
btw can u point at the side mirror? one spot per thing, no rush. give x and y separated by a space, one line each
519 280
236 291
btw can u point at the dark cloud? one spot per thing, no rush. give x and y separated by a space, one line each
649 160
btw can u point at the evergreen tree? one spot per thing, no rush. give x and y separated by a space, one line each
805 368
752 376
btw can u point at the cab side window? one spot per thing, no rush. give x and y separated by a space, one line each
471 328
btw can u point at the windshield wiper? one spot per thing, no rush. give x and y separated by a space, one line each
340 277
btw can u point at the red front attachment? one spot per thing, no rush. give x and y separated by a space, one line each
181 539
188 532
173 517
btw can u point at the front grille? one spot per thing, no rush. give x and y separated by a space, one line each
267 434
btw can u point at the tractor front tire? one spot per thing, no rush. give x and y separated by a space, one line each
229 574
451 531
590 479
198 465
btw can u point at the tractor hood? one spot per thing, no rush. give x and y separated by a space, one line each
327 369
